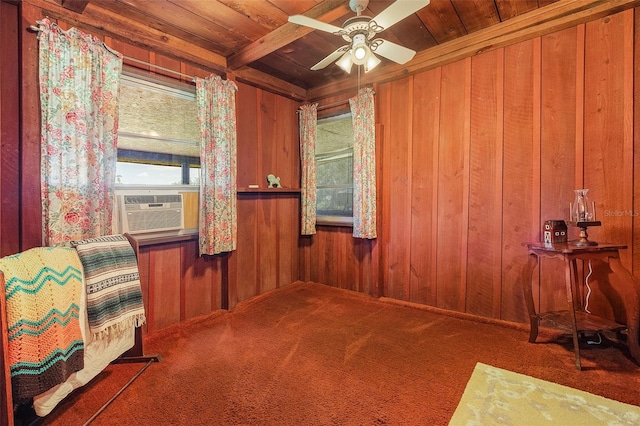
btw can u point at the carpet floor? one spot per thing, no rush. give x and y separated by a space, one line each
310 354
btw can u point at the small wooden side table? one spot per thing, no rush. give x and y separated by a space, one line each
575 319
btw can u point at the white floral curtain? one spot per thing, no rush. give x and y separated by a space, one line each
79 87
364 164
218 225
308 137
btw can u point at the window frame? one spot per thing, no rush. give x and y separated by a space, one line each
166 85
334 220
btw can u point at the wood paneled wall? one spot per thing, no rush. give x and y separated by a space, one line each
9 127
177 283
477 154
268 222
473 157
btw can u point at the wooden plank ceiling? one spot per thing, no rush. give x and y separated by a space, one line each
254 40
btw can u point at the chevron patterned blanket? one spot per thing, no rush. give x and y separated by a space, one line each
43 288
114 297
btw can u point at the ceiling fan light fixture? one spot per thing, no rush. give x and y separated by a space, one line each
371 63
360 52
345 62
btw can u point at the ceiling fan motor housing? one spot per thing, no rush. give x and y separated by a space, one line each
357 25
358 5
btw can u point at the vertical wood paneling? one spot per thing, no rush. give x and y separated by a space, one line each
536 196
30 201
288 232
194 71
9 177
426 120
485 185
164 280
144 268
267 205
520 177
200 281
288 211
558 148
636 147
328 252
249 141
399 190
165 62
383 115
10 206
452 168
372 275
604 135
131 51
350 274
247 247
9 129
247 134
628 115
607 148
285 138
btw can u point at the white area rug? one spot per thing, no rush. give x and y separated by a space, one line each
499 397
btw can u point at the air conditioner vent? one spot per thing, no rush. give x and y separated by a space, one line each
148 199
151 213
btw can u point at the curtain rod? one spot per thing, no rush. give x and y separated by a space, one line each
192 78
332 104
327 106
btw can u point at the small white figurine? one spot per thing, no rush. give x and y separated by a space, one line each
274 182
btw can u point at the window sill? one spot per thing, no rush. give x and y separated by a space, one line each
345 221
153 238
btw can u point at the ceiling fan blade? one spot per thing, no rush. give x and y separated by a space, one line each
313 23
397 11
392 51
329 59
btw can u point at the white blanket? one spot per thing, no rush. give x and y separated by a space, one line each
97 355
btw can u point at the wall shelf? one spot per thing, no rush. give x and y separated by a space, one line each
269 190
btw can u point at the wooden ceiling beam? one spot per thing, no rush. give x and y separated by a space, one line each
77 6
104 22
326 11
545 20
267 82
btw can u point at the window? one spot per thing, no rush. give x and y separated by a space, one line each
158 135
334 170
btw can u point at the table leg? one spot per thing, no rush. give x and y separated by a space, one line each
526 279
631 295
577 288
570 284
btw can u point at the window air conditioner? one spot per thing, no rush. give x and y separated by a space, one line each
151 213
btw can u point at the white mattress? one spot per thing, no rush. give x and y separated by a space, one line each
97 355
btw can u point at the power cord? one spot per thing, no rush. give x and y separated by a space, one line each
586 304
586 281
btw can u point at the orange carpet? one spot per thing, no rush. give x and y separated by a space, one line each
310 354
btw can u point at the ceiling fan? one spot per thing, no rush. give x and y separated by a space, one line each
359 31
